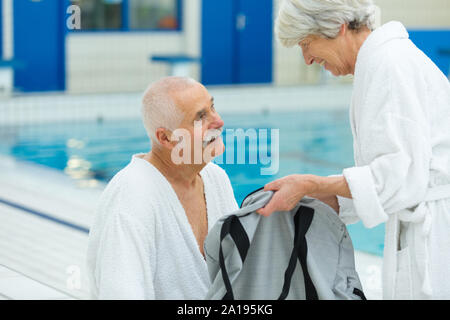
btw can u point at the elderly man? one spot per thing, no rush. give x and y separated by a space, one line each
147 238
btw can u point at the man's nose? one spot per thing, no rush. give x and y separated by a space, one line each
216 122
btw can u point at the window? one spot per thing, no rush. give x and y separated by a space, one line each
153 14
126 15
100 14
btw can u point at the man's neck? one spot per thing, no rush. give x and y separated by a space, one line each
183 175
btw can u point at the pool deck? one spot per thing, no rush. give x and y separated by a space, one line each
43 232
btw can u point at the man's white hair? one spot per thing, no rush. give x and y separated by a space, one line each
297 19
159 109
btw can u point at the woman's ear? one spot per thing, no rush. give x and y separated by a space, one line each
343 29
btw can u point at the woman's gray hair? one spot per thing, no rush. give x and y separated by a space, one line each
297 19
159 109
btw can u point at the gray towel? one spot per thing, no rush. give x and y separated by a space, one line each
306 253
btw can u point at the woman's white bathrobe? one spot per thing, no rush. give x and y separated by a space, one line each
400 119
141 245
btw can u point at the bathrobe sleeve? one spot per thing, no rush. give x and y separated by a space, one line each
393 140
124 270
347 211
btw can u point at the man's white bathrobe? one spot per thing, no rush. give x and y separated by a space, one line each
141 245
400 119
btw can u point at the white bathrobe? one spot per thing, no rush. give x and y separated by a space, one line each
400 119
141 245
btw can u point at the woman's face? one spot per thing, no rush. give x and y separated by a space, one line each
333 54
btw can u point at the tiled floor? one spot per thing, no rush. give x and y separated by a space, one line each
42 250
16 286
46 250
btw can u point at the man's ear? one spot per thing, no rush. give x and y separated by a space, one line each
163 135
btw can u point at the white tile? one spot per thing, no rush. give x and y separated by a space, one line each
23 288
5 272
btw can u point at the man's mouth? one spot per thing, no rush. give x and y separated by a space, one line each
212 137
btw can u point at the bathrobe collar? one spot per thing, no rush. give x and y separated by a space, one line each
387 32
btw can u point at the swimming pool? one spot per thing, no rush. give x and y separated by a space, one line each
315 142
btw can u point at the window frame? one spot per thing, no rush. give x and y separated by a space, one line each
126 21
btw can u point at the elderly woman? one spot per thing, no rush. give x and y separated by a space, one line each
400 120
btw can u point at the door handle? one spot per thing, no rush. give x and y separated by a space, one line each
241 21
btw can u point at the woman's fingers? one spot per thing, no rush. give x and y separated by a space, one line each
288 191
267 210
275 204
272 186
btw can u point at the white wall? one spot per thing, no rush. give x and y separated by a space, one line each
290 68
416 13
119 62
116 62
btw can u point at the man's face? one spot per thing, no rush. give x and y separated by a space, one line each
202 121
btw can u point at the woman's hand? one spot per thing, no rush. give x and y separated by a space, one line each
291 189
288 192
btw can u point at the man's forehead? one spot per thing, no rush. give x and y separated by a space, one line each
194 100
202 104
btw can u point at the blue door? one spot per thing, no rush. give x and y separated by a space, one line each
236 41
253 44
39 31
217 41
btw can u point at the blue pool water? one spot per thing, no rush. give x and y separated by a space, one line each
313 142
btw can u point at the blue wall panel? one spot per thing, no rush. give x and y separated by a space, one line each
435 44
217 41
39 31
236 41
254 42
